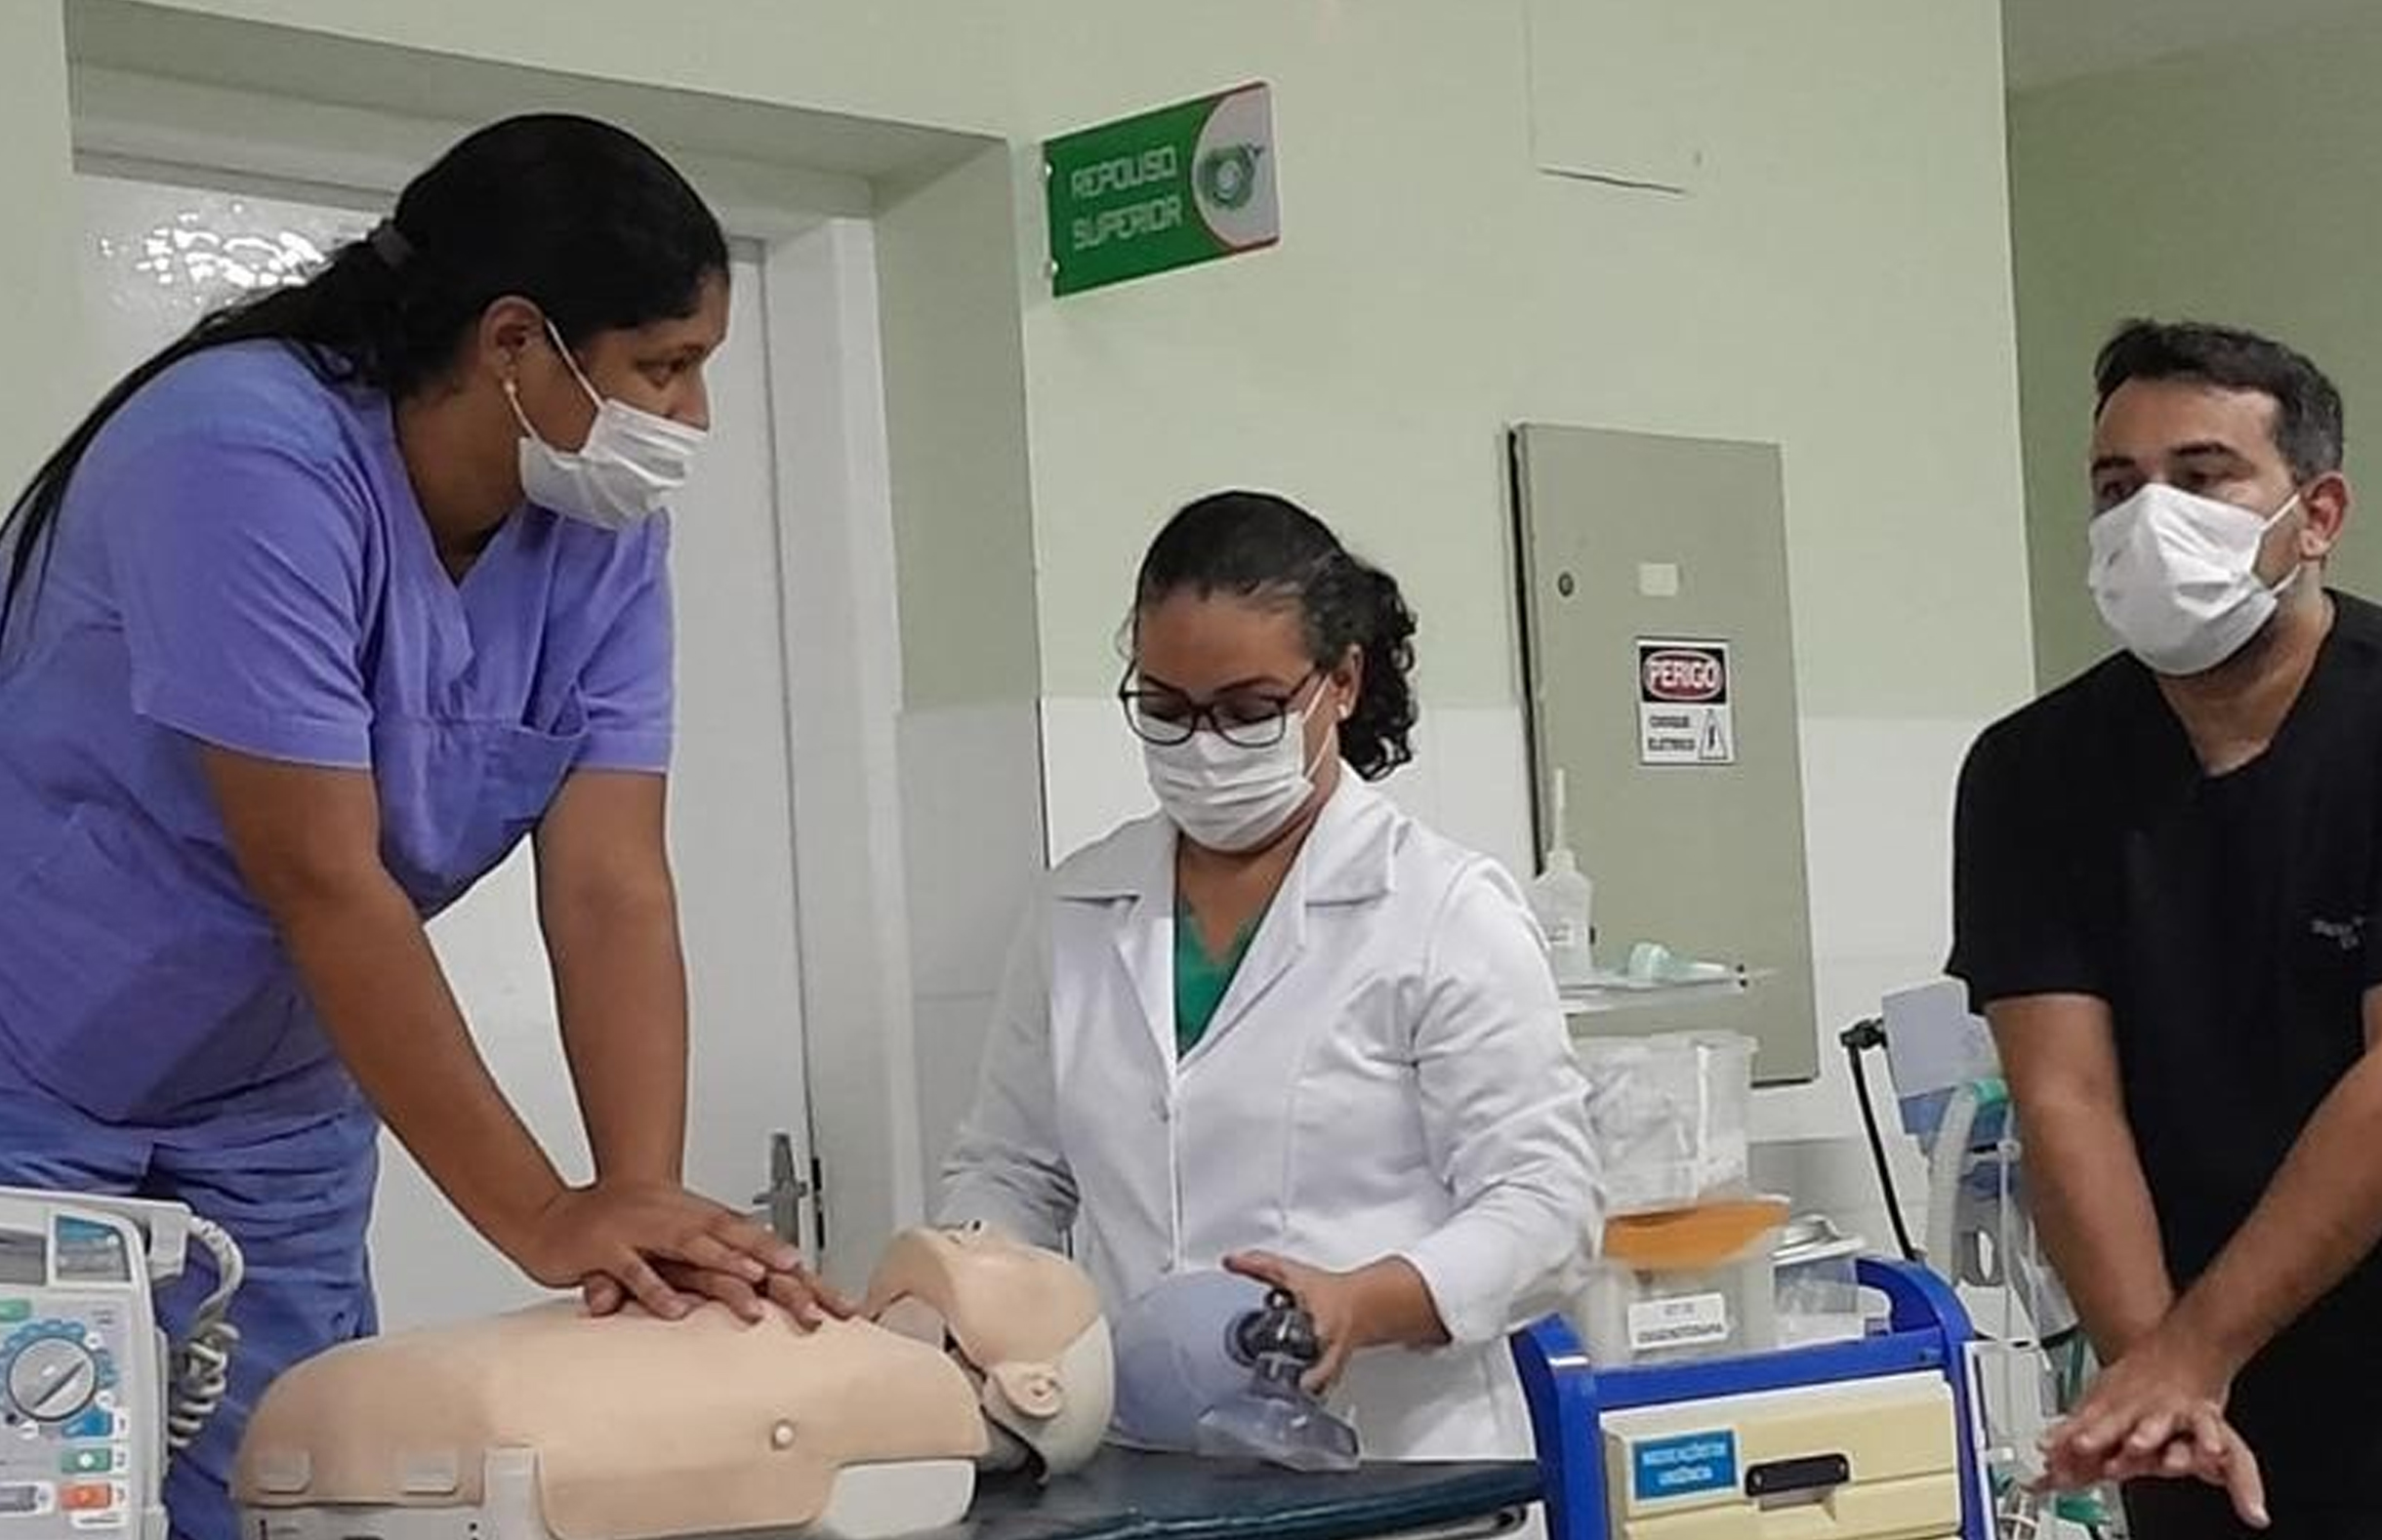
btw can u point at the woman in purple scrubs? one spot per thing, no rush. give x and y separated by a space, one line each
316 615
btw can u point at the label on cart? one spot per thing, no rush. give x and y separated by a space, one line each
1686 1320
1684 1465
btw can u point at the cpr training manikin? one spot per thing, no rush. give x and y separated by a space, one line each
973 1352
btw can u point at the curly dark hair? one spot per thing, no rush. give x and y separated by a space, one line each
1257 545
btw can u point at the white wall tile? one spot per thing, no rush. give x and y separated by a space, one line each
1479 762
973 852
1414 785
951 1030
972 837
1877 796
1095 771
1877 800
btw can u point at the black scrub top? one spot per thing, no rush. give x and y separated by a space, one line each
2229 922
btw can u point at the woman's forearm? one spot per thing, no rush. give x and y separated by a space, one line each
620 978
385 1005
1398 1305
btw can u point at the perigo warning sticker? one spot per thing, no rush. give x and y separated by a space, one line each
1685 716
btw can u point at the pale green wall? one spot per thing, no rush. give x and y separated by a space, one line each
36 177
1837 282
955 423
2234 186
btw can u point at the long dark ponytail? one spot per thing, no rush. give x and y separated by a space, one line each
582 217
1256 545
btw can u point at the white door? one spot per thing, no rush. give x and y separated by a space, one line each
157 257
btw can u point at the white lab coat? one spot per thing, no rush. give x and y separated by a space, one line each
1388 1075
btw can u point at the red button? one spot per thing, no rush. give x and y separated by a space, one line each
88 1498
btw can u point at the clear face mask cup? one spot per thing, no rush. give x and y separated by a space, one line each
1276 1418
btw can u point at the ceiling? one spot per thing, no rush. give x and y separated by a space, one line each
2048 41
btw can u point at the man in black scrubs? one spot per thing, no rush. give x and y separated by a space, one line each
2166 903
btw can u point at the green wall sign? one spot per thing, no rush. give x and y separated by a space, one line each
1163 189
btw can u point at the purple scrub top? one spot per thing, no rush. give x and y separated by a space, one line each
240 561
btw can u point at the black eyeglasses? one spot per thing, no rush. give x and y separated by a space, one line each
1248 718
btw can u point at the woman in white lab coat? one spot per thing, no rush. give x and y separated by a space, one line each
1282 1027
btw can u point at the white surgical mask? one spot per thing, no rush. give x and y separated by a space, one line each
1226 797
2176 577
630 465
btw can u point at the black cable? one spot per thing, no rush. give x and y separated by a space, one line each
1858 1040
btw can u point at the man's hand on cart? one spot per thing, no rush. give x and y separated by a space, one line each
2158 1413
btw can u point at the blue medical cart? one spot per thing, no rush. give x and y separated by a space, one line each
1927 1329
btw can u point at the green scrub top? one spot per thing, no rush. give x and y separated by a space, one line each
1200 981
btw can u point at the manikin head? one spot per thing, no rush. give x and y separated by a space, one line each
1023 1322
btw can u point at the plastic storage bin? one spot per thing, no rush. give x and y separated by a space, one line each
1818 1296
1694 1283
1667 1113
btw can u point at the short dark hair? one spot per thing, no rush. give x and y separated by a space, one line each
1256 545
2307 406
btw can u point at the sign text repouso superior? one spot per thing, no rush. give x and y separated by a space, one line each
1163 189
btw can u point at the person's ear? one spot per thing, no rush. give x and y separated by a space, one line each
1349 680
2324 510
1033 1388
508 329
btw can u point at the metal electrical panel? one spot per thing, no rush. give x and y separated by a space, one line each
1659 668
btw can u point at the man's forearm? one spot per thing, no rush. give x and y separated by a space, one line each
2320 1216
620 980
2089 1198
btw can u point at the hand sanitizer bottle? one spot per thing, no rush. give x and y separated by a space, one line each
1563 898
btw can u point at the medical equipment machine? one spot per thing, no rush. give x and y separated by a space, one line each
549 1424
2033 1360
93 1400
1867 1440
